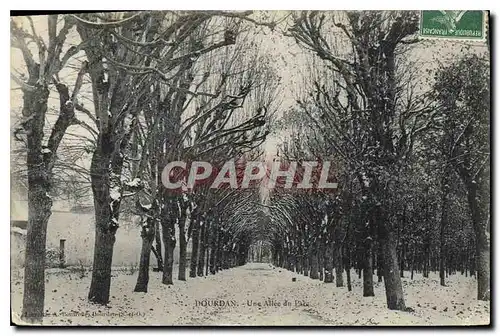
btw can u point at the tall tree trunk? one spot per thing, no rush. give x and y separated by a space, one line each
339 281
481 223
442 252
182 249
348 268
194 251
445 187
402 260
207 259
105 172
392 279
103 258
321 266
380 262
299 262
106 217
292 260
159 257
214 256
426 257
39 205
368 268
329 264
305 270
314 266
148 236
202 249
412 267
168 230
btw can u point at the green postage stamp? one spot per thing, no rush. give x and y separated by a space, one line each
453 24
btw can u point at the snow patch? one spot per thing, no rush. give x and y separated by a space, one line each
455 304
134 183
18 230
115 193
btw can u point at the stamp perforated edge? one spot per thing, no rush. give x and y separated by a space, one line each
486 17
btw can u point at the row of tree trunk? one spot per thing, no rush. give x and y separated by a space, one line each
213 248
329 263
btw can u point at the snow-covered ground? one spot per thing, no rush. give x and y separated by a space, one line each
254 294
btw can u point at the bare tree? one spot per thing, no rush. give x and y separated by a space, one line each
367 73
43 64
463 91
